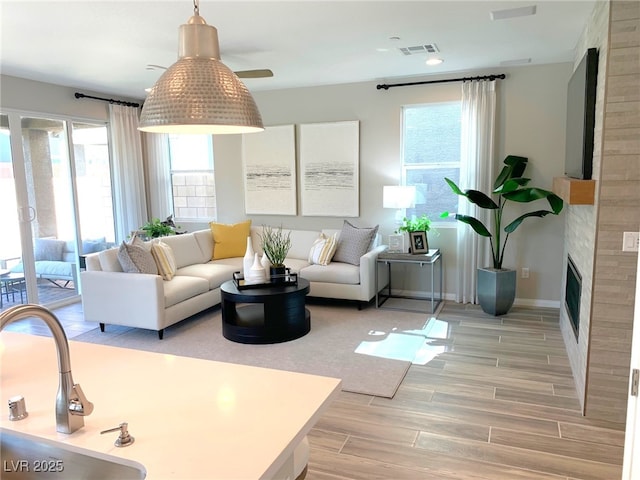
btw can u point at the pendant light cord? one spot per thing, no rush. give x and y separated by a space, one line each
196 7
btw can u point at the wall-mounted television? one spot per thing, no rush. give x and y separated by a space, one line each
581 117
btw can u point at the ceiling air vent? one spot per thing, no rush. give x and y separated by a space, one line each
420 49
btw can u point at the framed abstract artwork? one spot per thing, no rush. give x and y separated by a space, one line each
329 169
269 169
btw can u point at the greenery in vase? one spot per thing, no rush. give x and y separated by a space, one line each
509 185
275 244
415 224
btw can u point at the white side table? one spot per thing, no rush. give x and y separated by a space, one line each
431 260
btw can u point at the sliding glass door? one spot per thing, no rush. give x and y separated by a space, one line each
58 198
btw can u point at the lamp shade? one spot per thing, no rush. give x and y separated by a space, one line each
198 93
394 196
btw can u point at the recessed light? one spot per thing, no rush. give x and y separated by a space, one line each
434 61
513 12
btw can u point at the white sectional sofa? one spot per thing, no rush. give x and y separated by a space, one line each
111 296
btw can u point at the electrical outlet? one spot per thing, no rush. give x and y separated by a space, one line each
525 272
630 241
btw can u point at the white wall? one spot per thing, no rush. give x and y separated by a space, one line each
531 123
531 111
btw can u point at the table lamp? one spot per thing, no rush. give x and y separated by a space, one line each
399 197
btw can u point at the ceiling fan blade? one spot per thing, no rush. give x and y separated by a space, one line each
260 73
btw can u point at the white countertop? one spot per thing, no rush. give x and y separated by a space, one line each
191 418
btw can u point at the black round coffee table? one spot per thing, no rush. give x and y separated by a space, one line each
272 314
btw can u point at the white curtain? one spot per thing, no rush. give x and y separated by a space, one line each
159 185
128 170
477 172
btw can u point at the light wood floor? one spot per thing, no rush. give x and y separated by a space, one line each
498 403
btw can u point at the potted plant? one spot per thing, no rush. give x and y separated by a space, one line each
497 285
276 244
157 228
416 224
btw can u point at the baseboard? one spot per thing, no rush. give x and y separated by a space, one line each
520 302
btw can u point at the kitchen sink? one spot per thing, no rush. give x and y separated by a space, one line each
28 457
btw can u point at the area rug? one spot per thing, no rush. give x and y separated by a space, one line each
370 349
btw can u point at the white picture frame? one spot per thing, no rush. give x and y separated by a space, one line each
396 243
269 171
329 169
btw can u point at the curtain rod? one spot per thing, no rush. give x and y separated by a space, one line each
110 100
500 76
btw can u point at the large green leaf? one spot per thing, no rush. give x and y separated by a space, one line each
516 223
476 224
511 185
474 196
526 195
514 168
480 199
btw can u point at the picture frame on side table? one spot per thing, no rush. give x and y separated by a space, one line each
418 241
396 243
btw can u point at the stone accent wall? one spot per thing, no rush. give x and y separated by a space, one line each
600 359
618 211
581 220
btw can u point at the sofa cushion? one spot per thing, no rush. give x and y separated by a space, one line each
323 249
353 243
301 242
92 245
230 240
179 289
186 249
109 260
335 272
49 249
47 268
213 272
295 264
135 258
204 239
164 259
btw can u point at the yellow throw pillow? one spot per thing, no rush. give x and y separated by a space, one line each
164 258
229 240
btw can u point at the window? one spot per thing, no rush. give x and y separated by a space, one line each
192 179
431 152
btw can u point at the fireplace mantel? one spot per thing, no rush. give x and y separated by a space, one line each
574 191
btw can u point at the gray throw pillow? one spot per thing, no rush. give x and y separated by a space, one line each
136 259
353 243
49 249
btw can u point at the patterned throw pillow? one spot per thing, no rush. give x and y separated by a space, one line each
229 240
165 259
353 243
135 258
323 249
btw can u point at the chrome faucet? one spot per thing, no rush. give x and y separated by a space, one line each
71 404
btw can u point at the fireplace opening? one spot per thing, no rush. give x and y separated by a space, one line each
572 293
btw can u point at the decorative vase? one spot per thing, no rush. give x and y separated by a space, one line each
496 290
256 272
265 264
277 273
247 260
